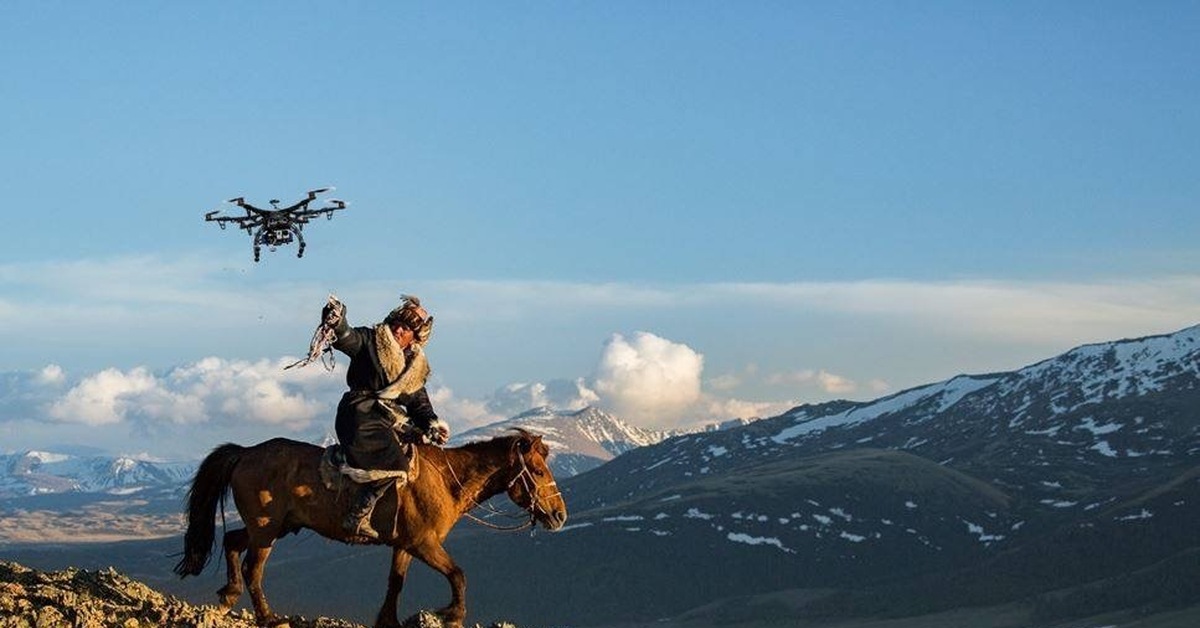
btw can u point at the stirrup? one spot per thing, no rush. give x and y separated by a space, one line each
360 526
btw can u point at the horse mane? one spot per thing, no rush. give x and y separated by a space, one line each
506 439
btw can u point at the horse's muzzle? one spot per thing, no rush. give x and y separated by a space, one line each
555 519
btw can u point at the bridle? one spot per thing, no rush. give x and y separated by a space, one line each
532 490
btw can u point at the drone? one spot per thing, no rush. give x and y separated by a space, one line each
279 225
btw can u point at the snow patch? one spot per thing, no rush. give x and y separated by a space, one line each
738 537
1104 449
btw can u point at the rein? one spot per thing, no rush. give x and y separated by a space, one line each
527 479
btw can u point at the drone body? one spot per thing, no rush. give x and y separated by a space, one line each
279 225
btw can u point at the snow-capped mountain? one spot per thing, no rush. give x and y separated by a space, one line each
1072 470
1109 407
40 472
579 440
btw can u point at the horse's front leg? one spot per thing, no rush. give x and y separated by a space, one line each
235 542
388 616
433 554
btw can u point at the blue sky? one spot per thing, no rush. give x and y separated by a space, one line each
677 211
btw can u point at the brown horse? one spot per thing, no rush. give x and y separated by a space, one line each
277 489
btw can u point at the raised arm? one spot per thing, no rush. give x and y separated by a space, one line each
346 339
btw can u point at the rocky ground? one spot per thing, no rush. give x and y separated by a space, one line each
80 598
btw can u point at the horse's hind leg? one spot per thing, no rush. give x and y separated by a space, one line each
256 561
236 542
387 617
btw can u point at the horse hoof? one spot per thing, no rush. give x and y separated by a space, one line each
451 618
274 621
228 599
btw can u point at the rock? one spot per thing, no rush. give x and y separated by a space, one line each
107 599
104 599
426 619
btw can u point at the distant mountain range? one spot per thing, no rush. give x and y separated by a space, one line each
579 440
1066 489
39 472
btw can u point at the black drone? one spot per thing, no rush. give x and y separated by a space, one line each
279 225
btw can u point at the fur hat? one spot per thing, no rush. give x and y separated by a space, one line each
408 314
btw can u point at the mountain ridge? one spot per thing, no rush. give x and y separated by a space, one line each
579 440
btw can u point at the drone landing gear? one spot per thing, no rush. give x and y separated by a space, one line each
258 241
300 239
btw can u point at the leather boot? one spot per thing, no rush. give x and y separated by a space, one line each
358 520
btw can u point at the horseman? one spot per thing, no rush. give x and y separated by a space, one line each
386 380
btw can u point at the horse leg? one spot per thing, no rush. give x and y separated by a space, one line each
256 561
236 542
434 555
388 615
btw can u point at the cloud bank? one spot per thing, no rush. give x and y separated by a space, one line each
643 378
503 347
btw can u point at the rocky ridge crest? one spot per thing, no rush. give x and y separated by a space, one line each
105 598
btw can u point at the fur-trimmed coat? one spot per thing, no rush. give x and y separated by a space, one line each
379 373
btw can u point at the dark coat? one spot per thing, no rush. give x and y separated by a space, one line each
363 427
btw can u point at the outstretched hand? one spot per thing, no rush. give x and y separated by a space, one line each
333 312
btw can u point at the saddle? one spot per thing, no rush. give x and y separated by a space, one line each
334 469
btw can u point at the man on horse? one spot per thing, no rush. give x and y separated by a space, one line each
386 380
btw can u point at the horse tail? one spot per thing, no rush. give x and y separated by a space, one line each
207 493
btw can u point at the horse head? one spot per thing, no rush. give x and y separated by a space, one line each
533 486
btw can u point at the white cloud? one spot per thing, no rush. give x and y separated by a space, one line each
649 379
106 397
835 384
879 386
728 381
459 413
560 394
720 409
212 390
52 374
806 376
831 383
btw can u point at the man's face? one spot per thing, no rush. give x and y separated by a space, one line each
404 336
